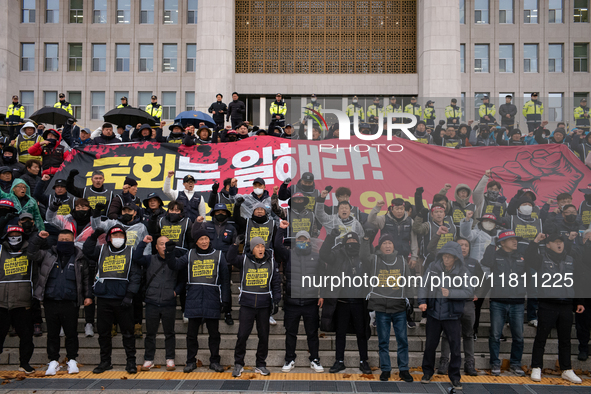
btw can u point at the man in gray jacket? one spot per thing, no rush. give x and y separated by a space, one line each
507 112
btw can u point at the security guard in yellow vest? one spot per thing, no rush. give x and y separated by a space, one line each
453 113
14 115
374 111
430 114
393 108
63 104
154 109
312 105
124 103
414 109
582 115
487 112
278 110
533 111
355 108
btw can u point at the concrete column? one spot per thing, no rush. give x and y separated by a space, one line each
438 49
263 113
10 55
215 52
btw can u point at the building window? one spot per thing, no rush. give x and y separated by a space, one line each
97 104
143 99
191 58
117 97
122 57
530 58
74 57
192 11
27 57
99 11
168 105
146 57
506 58
147 12
478 101
76 11
189 101
99 57
28 101
555 11
463 105
463 58
555 58
28 15
462 11
171 12
52 11
169 57
481 58
75 100
481 11
581 11
555 107
581 55
530 11
505 11
123 11
49 98
51 57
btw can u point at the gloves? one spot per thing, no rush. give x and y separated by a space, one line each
170 247
328 188
97 233
335 232
275 309
424 214
126 303
98 209
502 199
226 308
287 180
370 233
458 146
215 187
240 239
73 173
56 204
239 200
441 122
419 190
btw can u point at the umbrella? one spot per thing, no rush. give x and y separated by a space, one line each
129 115
51 115
194 117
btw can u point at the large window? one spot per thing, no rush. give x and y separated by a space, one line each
147 12
168 105
481 11
462 58
27 57
52 11
97 104
462 11
49 98
99 57
123 11
555 107
169 57
581 58
481 58
75 100
555 11
122 57
191 57
171 12
555 52
74 57
146 57
506 58
117 97
76 11
505 11
99 11
530 11
28 15
192 11
51 57
189 101
581 11
28 101
530 58
143 99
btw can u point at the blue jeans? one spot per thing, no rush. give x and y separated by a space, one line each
499 312
398 321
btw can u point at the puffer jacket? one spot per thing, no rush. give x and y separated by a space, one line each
19 294
478 238
29 207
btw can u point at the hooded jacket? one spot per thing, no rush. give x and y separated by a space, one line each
105 140
459 206
24 142
335 221
51 158
14 165
30 206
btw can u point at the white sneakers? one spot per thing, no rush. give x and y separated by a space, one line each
288 366
536 374
89 330
272 321
570 375
72 367
170 365
147 365
52 368
315 365
185 319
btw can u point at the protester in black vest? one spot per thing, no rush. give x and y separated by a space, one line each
129 196
300 217
176 227
208 283
258 225
192 201
152 211
63 286
95 194
260 293
117 281
224 196
162 286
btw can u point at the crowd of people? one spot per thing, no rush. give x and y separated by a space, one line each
126 260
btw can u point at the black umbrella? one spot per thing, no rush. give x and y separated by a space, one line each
128 115
51 115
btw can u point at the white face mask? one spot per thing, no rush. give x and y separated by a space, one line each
354 101
525 209
15 240
488 226
257 191
118 242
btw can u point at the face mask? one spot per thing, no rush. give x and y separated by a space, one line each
8 159
220 217
354 101
117 242
15 240
232 138
525 210
570 218
260 219
126 218
313 100
492 195
302 245
28 226
65 248
298 206
306 188
175 217
352 248
488 226
81 215
258 192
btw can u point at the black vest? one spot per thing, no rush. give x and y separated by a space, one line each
264 230
114 265
204 269
191 206
94 198
401 232
585 212
256 278
175 232
53 158
15 266
67 205
458 213
388 274
299 221
526 229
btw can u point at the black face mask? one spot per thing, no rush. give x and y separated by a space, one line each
307 188
9 159
588 198
220 217
28 227
300 206
175 217
65 248
126 218
81 216
260 219
232 139
352 248
52 143
570 218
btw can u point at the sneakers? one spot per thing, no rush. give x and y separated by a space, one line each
62 333
583 355
406 376
185 319
272 321
456 385
423 321
130 367
216 367
114 330
337 367
26 368
238 369
228 319
37 331
148 365
170 365
137 331
470 369
495 370
190 367
570 375
102 367
288 366
536 374
52 368
533 323
316 366
517 370
73 367
411 324
89 330
364 367
443 366
262 370
385 376
426 379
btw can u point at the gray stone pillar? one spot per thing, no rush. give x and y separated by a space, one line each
10 54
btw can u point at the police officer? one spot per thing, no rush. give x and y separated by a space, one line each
278 111
63 104
414 108
154 109
453 113
533 111
95 194
312 105
117 281
430 114
487 112
393 108
355 108
582 115
123 103
14 115
374 111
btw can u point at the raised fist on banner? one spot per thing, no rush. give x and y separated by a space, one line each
547 174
